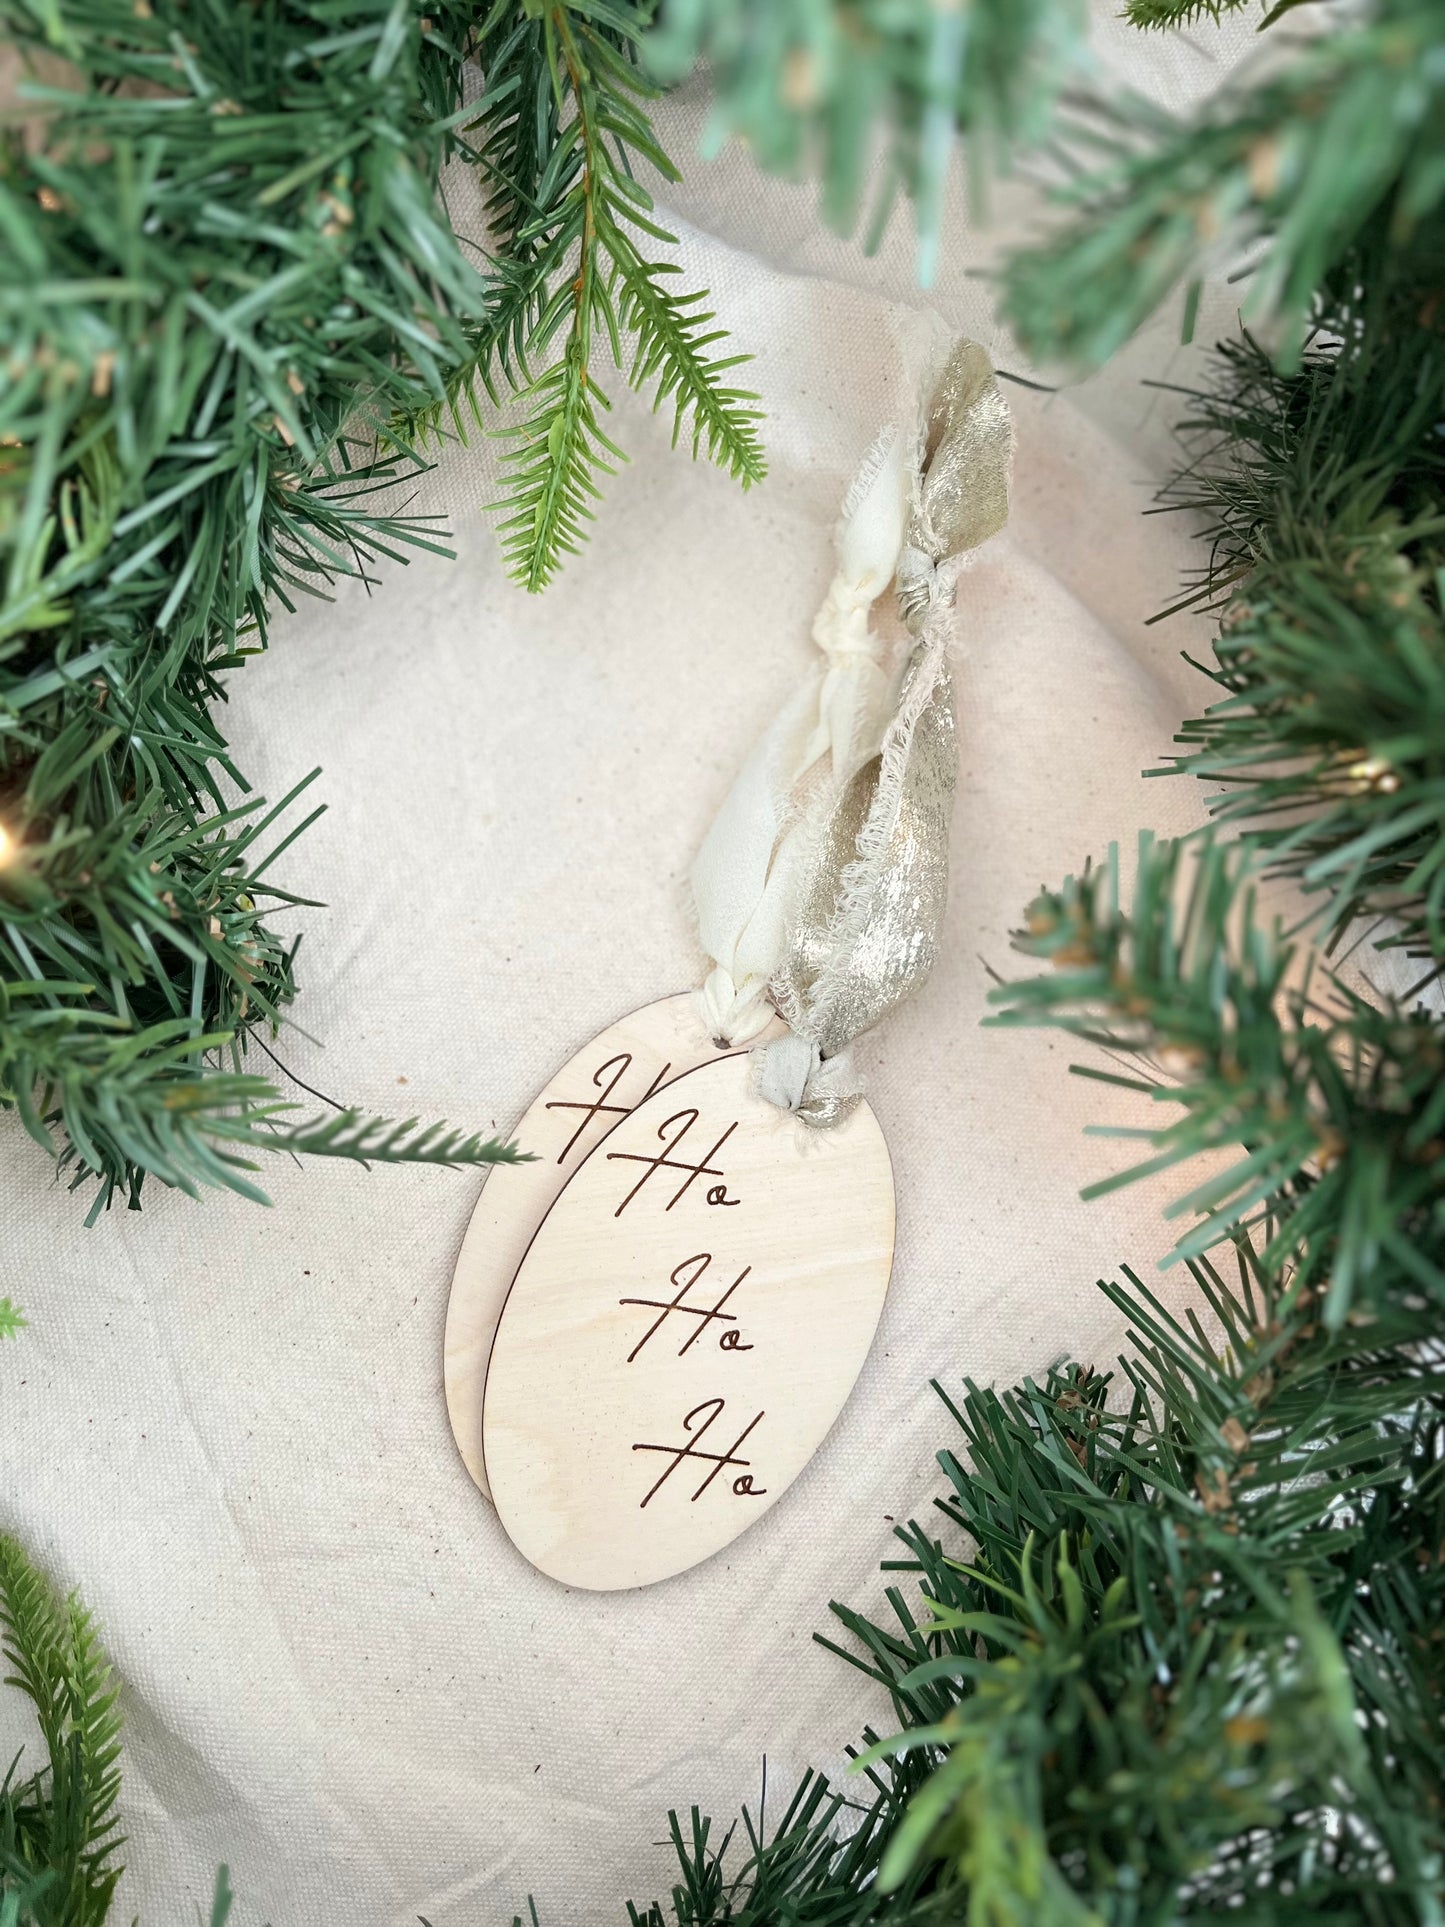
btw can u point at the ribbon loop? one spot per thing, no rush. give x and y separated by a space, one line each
856 873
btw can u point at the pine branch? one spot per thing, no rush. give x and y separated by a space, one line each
985 1811
1319 492
1166 14
59 1834
519 150
1344 141
92 1781
33 1631
60 1829
1175 1658
526 167
368 1140
672 351
154 920
819 1863
199 333
555 454
569 265
820 88
158 1104
1140 1688
1333 1108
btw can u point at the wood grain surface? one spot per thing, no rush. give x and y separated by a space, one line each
684 1329
597 1087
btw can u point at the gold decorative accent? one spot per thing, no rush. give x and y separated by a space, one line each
867 929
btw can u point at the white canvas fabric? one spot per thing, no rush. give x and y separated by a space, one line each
226 1424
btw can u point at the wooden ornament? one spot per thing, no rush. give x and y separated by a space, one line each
684 1329
581 1104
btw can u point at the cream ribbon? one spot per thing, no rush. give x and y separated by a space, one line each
821 885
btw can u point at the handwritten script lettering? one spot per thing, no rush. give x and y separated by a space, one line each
599 1106
671 1133
691 1448
685 1276
690 1309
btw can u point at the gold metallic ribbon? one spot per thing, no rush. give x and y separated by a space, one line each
867 926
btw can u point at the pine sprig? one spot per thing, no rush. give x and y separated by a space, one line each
1343 141
60 1828
159 1103
364 1139
571 271
199 335
59 1832
516 149
1154 1681
1332 1109
818 1863
672 342
823 88
1319 492
554 456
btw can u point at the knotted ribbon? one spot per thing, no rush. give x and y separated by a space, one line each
821 885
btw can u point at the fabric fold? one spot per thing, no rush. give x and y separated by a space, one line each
822 883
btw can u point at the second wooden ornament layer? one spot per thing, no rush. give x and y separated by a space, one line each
684 1329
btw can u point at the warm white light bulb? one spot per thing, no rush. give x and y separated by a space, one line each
7 845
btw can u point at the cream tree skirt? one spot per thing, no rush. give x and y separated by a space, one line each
226 1424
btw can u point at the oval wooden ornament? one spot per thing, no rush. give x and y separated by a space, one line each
685 1328
581 1104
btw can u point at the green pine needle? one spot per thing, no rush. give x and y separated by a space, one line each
672 352
1342 143
558 137
1331 1109
223 1899
200 334
59 1831
1165 14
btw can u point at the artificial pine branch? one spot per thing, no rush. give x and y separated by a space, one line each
1147 1673
514 143
199 334
60 1828
1333 1107
819 88
211 331
364 1139
672 351
1320 492
1185 1657
1345 140
1179 1656
557 146
59 1831
560 446
518 147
